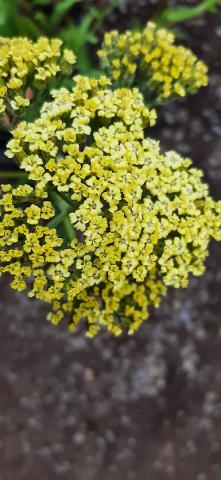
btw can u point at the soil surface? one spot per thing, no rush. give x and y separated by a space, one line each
147 407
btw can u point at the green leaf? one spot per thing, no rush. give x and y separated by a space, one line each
92 38
84 26
75 39
95 73
181 14
60 10
42 20
25 26
7 10
42 2
116 3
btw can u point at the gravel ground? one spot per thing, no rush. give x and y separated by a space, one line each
146 407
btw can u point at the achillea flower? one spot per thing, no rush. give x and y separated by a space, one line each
152 62
28 68
133 220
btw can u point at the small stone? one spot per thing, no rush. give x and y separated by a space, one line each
79 438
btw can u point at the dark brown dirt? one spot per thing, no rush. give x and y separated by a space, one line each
140 408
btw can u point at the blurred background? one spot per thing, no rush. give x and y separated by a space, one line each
146 407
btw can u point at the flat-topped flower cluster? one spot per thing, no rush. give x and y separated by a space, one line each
105 222
151 61
27 68
108 222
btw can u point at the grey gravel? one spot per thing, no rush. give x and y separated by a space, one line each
146 407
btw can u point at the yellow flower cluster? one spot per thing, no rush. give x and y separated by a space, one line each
27 67
150 60
133 220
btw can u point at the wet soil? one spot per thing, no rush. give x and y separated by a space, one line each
146 407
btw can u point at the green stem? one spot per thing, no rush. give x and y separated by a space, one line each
57 200
68 228
68 200
12 174
61 202
56 221
58 196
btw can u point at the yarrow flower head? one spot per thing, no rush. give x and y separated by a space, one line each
134 221
152 62
27 68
